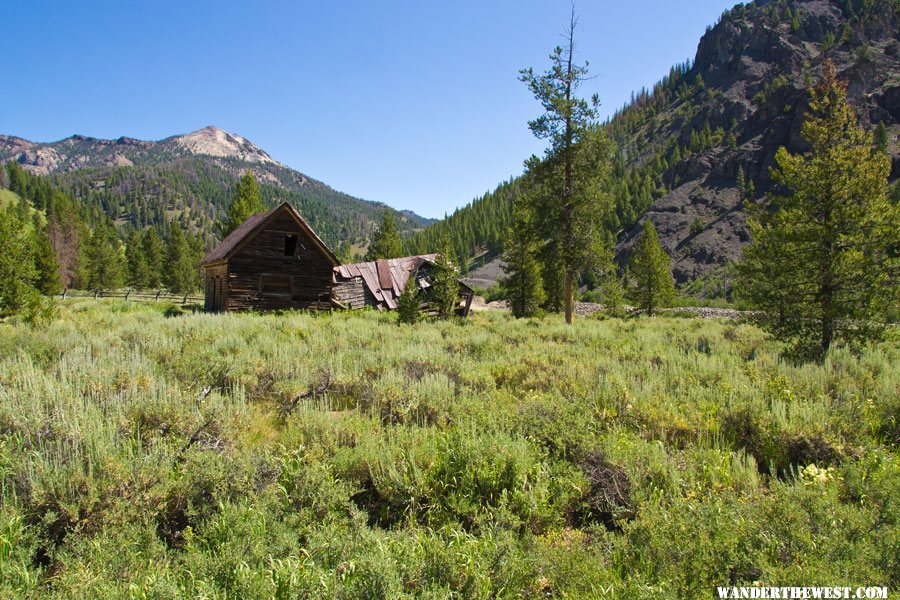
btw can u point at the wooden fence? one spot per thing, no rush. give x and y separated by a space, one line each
128 294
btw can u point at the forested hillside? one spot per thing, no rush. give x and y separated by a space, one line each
189 179
697 145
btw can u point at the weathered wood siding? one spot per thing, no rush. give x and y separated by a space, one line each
262 277
353 293
216 287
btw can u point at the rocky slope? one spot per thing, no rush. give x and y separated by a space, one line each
756 66
190 177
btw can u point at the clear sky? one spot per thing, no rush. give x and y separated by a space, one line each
416 104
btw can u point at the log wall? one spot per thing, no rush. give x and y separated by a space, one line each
262 277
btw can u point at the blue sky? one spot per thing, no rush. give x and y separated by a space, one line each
416 104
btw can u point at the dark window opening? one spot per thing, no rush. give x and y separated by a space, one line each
290 245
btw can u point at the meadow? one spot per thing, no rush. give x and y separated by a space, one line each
149 452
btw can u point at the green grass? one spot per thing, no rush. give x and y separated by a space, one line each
189 456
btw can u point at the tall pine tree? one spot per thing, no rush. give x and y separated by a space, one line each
106 267
18 274
823 269
181 265
46 265
386 243
154 252
570 200
247 202
522 285
138 272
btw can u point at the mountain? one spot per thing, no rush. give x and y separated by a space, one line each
750 82
191 177
684 142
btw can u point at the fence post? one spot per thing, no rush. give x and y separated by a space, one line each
96 291
185 298
158 292
65 291
128 293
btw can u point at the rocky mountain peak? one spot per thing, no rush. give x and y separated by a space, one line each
214 141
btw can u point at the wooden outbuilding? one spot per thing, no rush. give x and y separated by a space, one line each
275 261
379 283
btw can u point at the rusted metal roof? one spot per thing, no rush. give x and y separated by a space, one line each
256 223
385 278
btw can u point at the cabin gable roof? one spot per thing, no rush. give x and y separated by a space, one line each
257 223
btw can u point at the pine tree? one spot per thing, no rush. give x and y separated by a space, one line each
18 180
570 199
522 285
409 308
444 287
823 268
66 233
651 271
731 141
181 266
154 257
882 139
246 203
386 242
613 296
18 293
741 181
105 261
47 279
138 272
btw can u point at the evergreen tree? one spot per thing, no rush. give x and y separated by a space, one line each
613 296
823 268
343 252
522 286
386 242
47 279
154 252
66 232
245 203
105 262
651 271
409 308
882 139
570 202
741 181
18 274
138 272
18 180
731 141
444 287
180 267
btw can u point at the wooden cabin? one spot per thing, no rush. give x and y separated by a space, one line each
275 261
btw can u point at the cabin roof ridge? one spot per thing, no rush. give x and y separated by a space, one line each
254 224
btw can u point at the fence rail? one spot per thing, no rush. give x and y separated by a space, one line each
128 294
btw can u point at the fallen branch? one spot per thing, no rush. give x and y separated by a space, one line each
320 389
